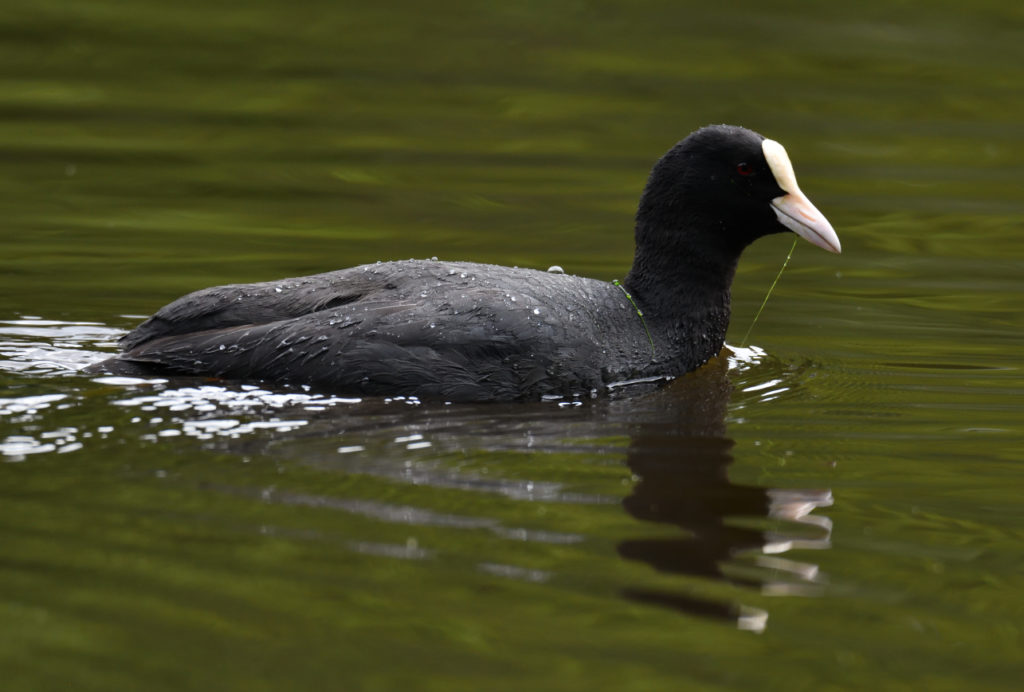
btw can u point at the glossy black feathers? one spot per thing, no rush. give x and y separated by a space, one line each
462 331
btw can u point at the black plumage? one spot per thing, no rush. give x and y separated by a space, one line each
464 331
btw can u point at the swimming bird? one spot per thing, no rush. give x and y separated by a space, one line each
459 331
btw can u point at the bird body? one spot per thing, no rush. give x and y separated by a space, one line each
488 334
479 332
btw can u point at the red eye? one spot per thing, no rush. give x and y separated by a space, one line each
745 169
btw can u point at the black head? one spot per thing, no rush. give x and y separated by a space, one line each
720 189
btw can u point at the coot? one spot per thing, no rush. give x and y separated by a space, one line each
460 331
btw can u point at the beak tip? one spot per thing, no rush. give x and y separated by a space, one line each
830 243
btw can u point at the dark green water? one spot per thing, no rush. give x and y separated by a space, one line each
838 508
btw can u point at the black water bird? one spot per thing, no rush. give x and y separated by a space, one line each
476 332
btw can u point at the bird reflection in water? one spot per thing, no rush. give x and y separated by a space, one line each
679 455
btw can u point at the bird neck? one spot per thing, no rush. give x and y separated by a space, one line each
682 284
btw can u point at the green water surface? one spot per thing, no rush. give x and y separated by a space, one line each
835 508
